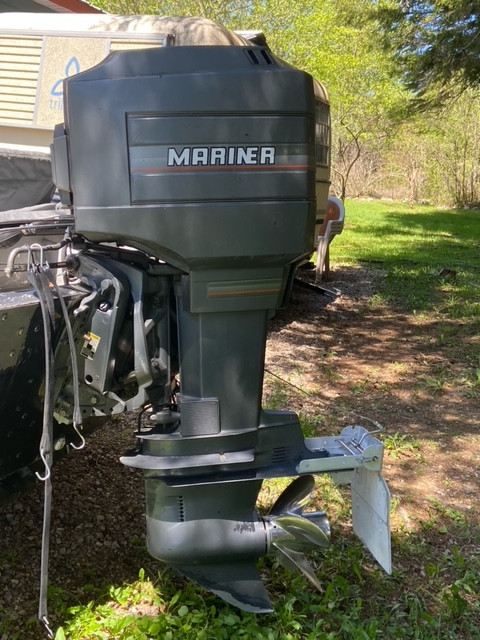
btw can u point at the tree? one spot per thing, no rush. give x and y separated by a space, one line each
227 12
457 149
338 44
436 44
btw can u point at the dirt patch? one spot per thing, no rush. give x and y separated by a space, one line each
354 360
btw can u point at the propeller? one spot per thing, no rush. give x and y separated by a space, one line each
292 532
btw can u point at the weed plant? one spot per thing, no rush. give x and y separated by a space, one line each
358 602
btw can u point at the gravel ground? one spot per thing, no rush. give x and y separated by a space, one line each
96 538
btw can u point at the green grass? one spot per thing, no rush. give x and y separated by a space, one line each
392 233
433 592
357 601
431 256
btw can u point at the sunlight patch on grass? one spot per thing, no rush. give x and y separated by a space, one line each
431 256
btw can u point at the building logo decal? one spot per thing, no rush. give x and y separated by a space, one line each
72 68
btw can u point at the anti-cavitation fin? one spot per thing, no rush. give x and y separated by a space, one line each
238 583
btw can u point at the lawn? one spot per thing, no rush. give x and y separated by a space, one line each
404 350
431 256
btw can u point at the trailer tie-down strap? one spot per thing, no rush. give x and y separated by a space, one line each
38 279
43 282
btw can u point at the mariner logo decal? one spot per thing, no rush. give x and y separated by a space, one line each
220 156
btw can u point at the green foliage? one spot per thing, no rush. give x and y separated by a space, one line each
436 44
357 602
223 12
400 444
338 45
435 155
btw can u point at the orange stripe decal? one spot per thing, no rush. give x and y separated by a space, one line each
213 168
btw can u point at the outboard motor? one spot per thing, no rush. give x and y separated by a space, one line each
194 175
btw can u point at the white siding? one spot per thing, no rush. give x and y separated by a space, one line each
19 70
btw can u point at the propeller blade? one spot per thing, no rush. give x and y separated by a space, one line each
300 533
294 497
291 532
294 560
